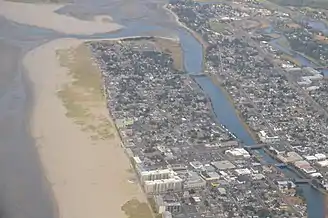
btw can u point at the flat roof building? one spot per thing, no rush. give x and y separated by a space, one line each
194 181
163 185
223 165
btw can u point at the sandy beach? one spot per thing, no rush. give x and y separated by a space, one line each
76 141
89 177
44 16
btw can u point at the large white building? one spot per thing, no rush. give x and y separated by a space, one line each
163 185
155 175
238 153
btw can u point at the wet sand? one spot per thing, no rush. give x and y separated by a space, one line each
89 176
24 192
75 167
44 16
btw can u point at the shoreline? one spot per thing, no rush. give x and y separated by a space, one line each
79 169
29 14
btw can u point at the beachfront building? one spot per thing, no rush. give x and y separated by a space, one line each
160 174
163 185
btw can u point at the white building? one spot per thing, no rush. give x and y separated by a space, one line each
163 185
155 174
196 165
238 153
265 138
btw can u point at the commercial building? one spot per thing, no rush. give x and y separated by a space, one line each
238 153
210 176
197 165
163 185
167 204
223 165
194 181
304 166
265 138
155 175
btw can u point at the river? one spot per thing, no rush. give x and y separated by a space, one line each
23 189
226 115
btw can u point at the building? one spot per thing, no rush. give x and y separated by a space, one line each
194 181
289 157
265 138
210 176
197 165
167 204
238 153
163 185
167 214
155 175
223 165
304 166
307 80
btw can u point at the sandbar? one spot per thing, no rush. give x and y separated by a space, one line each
90 176
45 16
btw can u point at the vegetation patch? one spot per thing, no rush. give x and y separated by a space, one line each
83 97
217 26
283 42
136 209
287 57
171 48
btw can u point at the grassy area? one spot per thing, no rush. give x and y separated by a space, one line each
83 97
217 26
137 209
283 42
172 48
287 57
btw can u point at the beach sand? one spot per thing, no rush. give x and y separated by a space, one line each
88 170
45 16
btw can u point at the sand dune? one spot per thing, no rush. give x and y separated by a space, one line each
89 177
44 16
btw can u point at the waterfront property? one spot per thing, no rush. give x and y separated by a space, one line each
189 163
263 85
